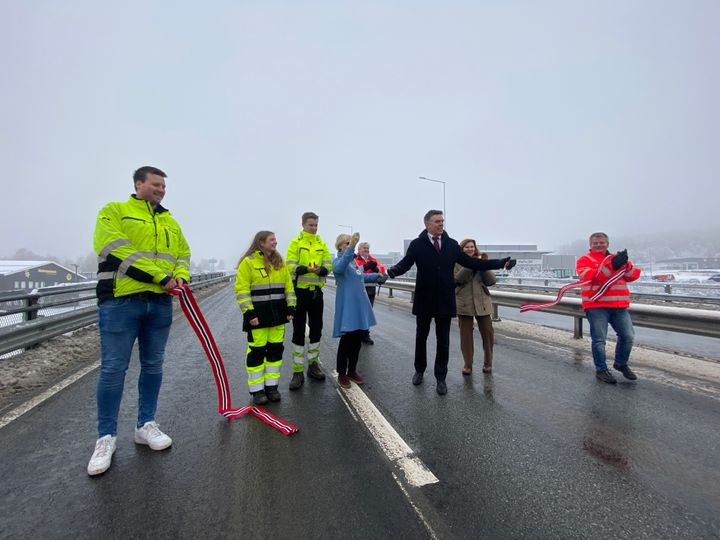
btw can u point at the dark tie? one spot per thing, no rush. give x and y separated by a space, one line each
436 243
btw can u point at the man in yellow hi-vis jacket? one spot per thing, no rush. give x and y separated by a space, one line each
142 254
308 259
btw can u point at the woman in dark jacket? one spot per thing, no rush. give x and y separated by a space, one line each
473 301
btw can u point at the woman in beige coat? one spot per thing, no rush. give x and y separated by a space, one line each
473 301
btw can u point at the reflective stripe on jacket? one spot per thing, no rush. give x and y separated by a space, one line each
591 267
308 250
138 247
264 295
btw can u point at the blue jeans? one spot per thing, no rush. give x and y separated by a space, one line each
121 322
619 319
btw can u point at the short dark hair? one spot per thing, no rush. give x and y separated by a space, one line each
141 174
430 214
309 215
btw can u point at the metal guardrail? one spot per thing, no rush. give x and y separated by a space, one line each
701 322
36 328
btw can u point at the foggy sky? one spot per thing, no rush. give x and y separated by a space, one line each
547 120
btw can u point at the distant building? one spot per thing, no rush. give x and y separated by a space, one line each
34 275
528 257
688 263
562 266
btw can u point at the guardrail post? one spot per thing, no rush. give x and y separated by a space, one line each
495 317
578 331
32 301
668 289
390 292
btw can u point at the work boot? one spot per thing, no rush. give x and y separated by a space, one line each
417 378
344 380
314 372
259 397
272 393
297 380
368 340
626 371
356 378
605 376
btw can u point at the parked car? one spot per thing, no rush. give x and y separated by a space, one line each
666 277
715 278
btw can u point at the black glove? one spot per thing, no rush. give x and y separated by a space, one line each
372 266
508 263
323 271
300 270
620 259
291 310
382 278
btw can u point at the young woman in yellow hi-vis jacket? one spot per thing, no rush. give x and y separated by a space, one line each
266 296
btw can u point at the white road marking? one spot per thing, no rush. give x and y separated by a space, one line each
424 521
395 448
50 392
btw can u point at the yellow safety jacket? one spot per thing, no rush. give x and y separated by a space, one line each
269 296
139 249
304 251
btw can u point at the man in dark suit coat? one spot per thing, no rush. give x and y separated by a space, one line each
435 254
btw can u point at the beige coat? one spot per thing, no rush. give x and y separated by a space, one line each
471 293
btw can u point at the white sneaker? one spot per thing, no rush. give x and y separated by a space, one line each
151 435
102 456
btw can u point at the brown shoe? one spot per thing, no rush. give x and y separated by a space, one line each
356 378
487 369
467 371
344 381
314 372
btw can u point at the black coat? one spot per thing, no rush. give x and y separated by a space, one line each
435 282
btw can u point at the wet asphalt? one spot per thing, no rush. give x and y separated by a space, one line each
538 449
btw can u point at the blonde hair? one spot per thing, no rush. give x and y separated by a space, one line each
274 258
341 239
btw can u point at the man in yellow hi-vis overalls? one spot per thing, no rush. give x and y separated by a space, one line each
308 259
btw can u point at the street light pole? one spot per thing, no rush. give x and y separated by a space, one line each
347 227
443 185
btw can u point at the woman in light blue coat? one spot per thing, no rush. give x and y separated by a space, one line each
353 312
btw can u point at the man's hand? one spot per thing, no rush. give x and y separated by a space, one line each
620 259
354 239
181 282
372 266
382 278
170 285
509 263
254 321
313 268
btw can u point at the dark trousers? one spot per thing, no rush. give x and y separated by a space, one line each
442 335
349 352
309 308
371 295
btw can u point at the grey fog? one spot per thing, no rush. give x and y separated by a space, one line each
546 120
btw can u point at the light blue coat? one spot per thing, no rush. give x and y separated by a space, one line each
352 306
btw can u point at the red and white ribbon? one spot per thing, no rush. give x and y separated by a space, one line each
601 291
202 330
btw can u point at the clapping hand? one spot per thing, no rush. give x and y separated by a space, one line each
620 259
354 239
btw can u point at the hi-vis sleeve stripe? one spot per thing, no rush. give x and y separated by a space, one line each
104 252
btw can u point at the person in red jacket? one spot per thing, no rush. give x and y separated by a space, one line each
369 265
605 299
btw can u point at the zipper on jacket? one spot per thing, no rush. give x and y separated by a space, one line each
167 237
